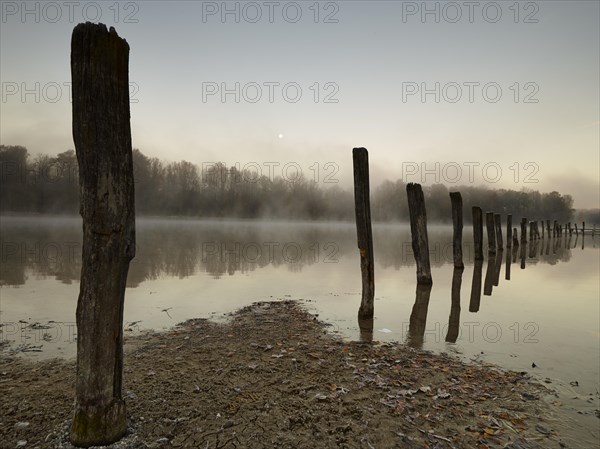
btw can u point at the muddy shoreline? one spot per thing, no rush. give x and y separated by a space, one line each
274 377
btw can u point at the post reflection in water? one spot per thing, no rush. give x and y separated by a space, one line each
476 287
418 316
454 320
498 266
522 254
490 272
533 247
507 270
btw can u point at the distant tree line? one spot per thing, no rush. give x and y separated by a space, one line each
46 184
49 184
587 215
531 204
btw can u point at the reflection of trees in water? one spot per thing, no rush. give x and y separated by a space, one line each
46 251
219 250
12 274
560 253
225 250
174 249
393 247
51 247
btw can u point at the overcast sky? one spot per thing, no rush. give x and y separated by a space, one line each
497 93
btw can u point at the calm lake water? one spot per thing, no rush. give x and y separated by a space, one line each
548 313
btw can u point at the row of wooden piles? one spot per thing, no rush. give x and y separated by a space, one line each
531 231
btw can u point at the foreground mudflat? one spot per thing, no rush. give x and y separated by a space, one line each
273 377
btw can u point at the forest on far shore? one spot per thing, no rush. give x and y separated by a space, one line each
49 185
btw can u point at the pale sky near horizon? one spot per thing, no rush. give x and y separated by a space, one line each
528 72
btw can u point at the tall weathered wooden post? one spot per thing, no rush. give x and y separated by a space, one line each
457 221
362 201
365 325
532 231
548 227
418 229
523 230
498 223
478 232
102 136
491 232
515 238
509 231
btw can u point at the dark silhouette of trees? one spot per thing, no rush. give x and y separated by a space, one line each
588 215
45 184
13 174
49 184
